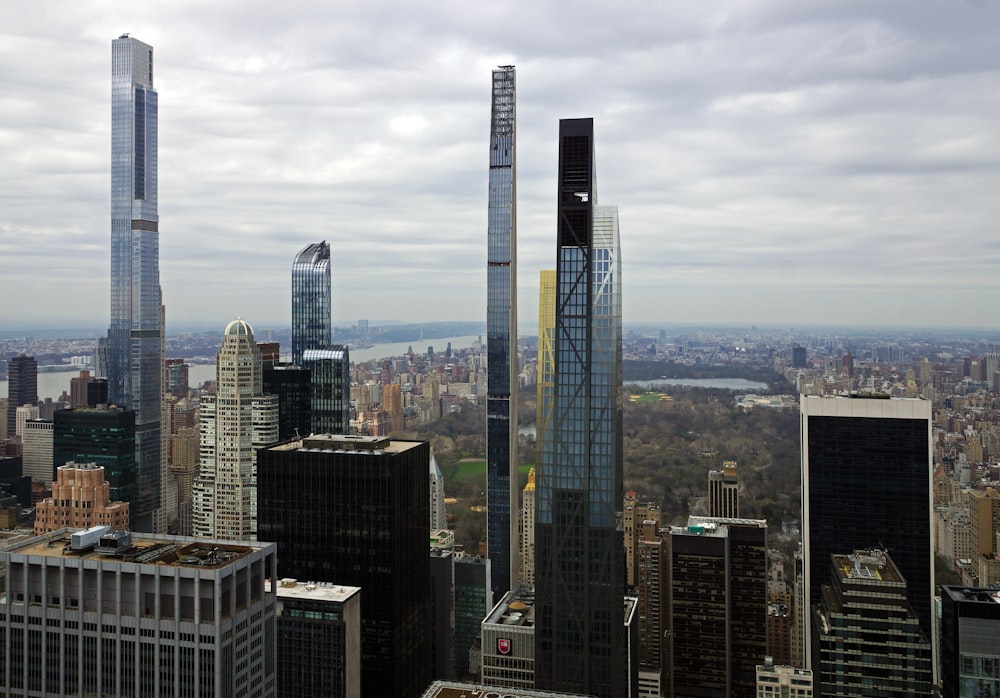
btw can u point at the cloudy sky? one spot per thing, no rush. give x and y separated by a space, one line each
774 161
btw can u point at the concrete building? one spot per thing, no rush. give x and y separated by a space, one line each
717 607
508 634
984 520
865 635
235 422
353 511
81 498
652 583
36 450
723 491
319 640
22 414
634 515
144 615
781 681
970 653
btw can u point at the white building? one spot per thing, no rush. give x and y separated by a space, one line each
783 681
139 615
235 422
36 450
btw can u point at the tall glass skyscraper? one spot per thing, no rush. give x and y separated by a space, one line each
132 357
311 300
501 337
580 557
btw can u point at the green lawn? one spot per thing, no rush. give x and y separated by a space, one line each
477 468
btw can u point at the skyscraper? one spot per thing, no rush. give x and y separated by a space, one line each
580 563
501 336
22 388
311 300
101 435
866 478
132 357
330 373
353 510
235 422
723 491
546 356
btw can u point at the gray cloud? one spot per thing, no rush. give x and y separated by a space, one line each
774 161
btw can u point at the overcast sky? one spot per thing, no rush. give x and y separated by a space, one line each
774 161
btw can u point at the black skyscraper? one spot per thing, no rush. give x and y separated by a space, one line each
866 479
579 551
354 510
22 387
105 436
293 386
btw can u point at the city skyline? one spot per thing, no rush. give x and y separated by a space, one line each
783 164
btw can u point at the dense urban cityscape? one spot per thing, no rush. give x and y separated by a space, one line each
577 507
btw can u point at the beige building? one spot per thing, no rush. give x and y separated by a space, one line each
36 450
235 422
526 553
80 499
634 515
984 520
783 682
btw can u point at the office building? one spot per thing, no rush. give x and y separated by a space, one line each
353 511
984 520
580 565
509 642
652 585
782 681
970 653
717 607
442 570
101 435
319 640
330 370
293 386
23 414
635 514
866 639
36 450
176 377
22 388
526 554
78 389
81 498
866 476
235 422
473 600
132 356
454 689
311 323
501 335
723 491
137 615
97 392
799 357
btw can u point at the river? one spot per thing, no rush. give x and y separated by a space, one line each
52 384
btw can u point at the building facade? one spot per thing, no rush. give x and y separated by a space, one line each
81 498
354 511
509 642
866 639
293 386
527 531
330 369
782 681
132 356
36 450
866 471
716 632
319 640
970 653
580 563
311 319
139 615
723 491
501 335
101 435
235 422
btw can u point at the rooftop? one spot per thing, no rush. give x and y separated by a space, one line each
448 689
150 549
867 565
972 594
516 608
312 591
344 443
